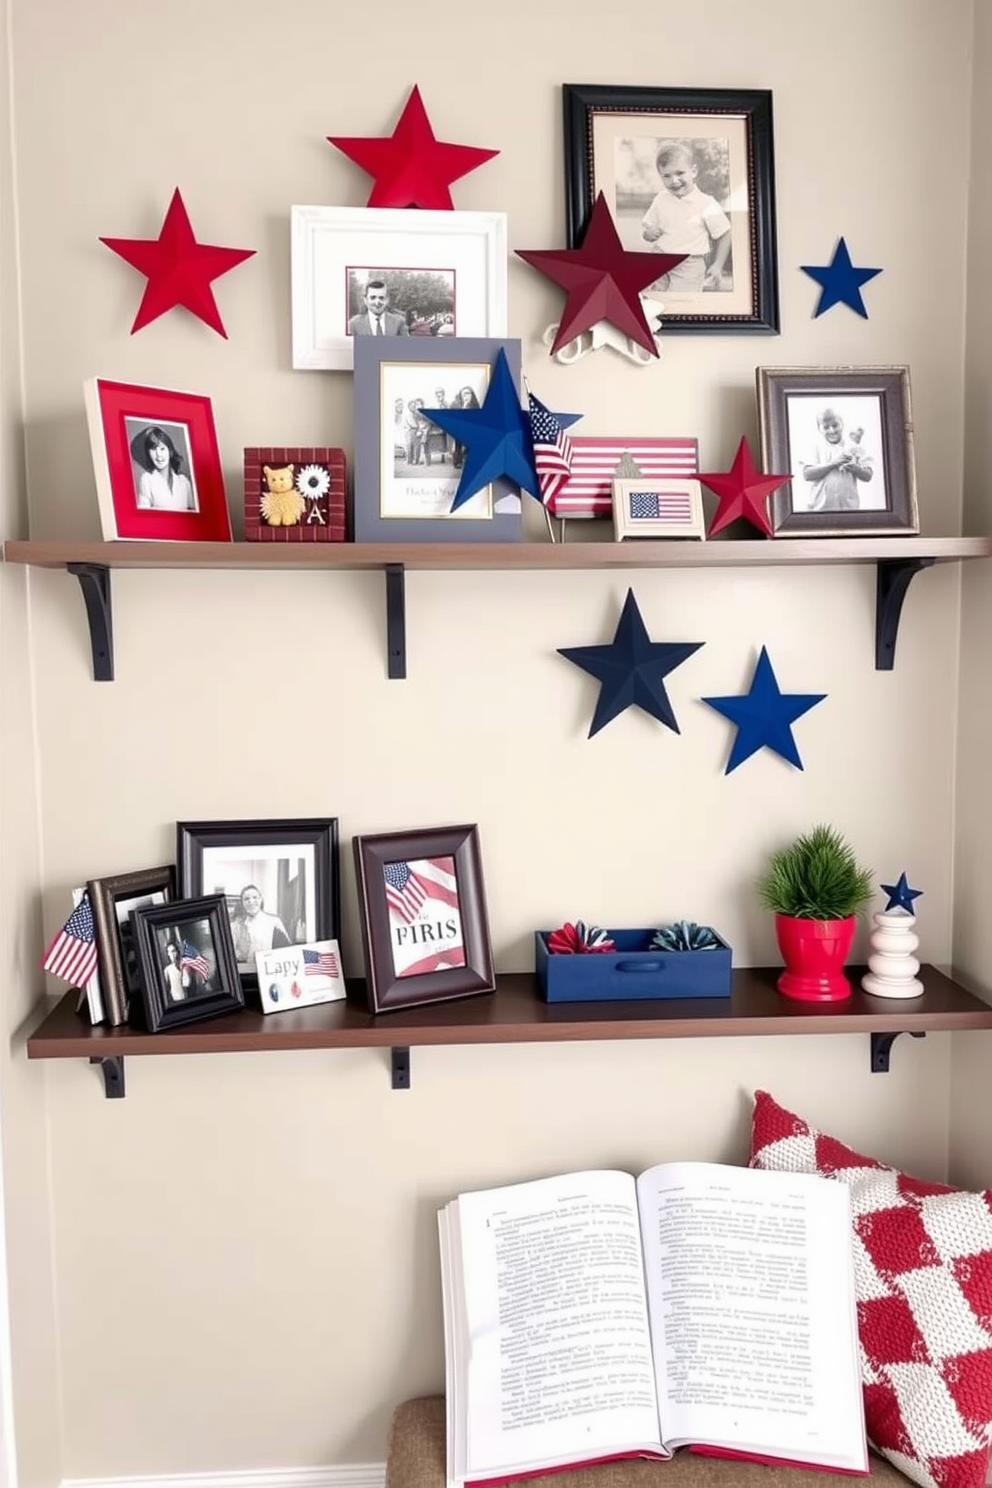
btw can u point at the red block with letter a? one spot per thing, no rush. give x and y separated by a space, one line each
294 494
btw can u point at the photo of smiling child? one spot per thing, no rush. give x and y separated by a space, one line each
835 448
684 219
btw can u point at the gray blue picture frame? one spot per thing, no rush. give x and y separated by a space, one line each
392 361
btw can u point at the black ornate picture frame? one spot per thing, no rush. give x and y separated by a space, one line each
716 147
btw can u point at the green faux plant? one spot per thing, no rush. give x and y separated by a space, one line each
816 878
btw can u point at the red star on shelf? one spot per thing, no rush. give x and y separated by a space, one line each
602 280
743 492
412 168
179 270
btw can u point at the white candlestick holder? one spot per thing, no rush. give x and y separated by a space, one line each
892 964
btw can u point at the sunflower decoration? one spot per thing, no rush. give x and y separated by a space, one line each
313 483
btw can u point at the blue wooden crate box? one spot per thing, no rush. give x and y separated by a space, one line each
632 971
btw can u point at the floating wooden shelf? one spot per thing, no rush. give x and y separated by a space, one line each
516 1013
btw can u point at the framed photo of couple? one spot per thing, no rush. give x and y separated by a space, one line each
845 436
688 171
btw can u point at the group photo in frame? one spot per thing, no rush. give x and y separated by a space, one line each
407 470
425 926
112 899
157 464
186 962
279 880
387 273
845 436
688 171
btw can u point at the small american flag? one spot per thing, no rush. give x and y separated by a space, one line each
662 506
192 961
320 963
588 491
552 449
410 885
72 955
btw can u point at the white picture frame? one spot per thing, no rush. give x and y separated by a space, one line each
658 508
335 250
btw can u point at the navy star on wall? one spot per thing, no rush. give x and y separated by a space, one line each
840 282
631 669
764 716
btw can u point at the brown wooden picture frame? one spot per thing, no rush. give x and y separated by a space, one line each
430 910
111 900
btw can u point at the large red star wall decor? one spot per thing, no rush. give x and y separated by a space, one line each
602 280
179 270
412 168
743 492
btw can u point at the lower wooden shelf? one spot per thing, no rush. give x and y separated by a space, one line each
515 1013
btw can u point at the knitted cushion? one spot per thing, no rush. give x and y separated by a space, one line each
923 1276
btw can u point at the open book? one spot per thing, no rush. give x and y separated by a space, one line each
596 1316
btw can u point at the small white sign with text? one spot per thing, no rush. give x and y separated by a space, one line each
300 976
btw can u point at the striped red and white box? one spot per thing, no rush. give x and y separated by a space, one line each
598 460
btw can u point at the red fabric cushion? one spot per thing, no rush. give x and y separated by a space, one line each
923 1275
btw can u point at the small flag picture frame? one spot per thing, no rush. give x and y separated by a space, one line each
658 508
300 976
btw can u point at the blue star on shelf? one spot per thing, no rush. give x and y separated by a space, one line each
631 669
840 282
901 896
496 437
764 716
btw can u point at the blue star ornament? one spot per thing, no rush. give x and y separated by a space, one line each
764 716
496 437
840 282
901 896
631 669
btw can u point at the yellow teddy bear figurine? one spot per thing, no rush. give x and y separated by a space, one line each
282 505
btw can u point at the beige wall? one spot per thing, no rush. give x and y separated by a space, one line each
244 1255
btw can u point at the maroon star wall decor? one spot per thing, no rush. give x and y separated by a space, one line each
602 280
179 270
412 168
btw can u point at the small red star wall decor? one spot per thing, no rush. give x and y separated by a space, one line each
602 280
412 168
179 270
742 491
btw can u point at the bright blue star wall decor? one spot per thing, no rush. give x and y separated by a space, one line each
840 282
631 669
496 437
901 896
764 716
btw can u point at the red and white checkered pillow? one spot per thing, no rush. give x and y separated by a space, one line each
923 1276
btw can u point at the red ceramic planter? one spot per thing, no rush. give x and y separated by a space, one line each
814 952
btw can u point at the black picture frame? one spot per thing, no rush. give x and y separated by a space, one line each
875 412
729 136
112 900
302 881
202 969
390 985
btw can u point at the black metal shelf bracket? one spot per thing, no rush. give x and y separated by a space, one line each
112 1066
94 580
396 620
400 1068
881 1046
892 578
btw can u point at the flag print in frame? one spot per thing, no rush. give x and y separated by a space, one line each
657 508
425 928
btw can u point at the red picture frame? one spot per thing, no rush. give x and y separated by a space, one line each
133 428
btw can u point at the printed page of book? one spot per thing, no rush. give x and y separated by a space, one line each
548 1347
751 1295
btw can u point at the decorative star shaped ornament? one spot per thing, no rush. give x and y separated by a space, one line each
412 168
602 280
764 716
840 282
496 437
631 669
901 896
743 492
179 270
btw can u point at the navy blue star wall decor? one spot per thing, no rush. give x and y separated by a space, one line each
901 896
764 716
631 669
496 437
840 282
